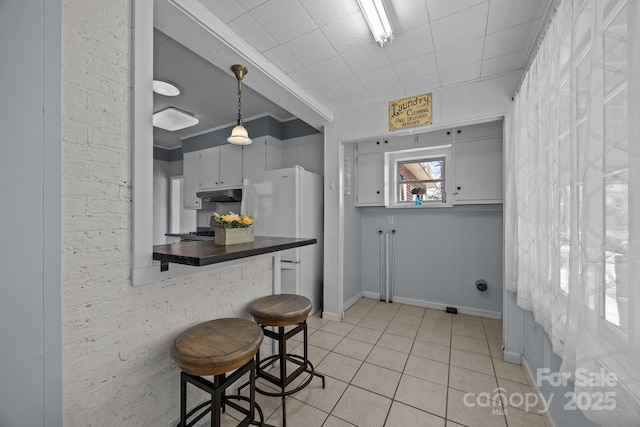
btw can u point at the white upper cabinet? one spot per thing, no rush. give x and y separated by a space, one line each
370 179
220 167
478 164
263 154
191 166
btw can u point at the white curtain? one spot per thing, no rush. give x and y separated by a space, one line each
572 204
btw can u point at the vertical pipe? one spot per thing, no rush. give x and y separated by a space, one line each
392 261
382 281
386 266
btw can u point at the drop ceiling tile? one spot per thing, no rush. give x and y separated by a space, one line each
388 93
283 59
460 54
460 27
461 74
505 14
411 43
322 93
250 4
366 58
416 67
324 12
511 40
305 78
284 19
331 70
250 30
407 14
504 64
357 100
346 87
311 48
348 33
336 105
378 78
421 85
439 9
223 9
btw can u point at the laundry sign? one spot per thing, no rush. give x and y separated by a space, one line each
410 112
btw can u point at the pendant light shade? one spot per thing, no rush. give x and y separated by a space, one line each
239 135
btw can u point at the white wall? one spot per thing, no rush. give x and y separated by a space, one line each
162 172
305 151
458 105
439 255
117 369
30 318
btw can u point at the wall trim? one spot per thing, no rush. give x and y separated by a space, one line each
534 387
352 301
439 306
511 357
331 316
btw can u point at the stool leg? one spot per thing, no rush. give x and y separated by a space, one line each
216 402
283 371
183 400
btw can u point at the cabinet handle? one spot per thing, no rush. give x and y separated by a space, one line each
377 192
458 188
221 182
377 142
216 182
386 142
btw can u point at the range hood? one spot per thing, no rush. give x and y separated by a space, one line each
221 196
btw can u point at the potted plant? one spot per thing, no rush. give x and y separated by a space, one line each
233 228
416 191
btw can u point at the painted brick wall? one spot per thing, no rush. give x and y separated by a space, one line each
117 369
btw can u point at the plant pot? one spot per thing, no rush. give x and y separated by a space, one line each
233 236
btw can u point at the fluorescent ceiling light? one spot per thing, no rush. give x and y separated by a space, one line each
173 119
378 21
165 88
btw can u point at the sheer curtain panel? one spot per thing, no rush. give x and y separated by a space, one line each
572 208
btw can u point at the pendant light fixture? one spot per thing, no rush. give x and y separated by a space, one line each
239 135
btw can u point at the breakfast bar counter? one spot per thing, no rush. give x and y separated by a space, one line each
200 253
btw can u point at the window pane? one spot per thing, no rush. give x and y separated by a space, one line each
427 191
422 170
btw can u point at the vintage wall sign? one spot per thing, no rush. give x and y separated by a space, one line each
410 112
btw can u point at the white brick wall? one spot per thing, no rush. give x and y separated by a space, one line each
117 369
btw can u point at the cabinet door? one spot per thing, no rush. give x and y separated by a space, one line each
191 167
370 179
399 143
478 171
369 146
273 154
253 157
230 166
210 168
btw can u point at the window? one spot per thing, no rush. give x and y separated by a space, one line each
422 178
422 173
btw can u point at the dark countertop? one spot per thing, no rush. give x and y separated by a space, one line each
207 252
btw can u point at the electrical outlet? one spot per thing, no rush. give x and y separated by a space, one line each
390 219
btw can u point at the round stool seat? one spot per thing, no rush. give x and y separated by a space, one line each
280 310
217 346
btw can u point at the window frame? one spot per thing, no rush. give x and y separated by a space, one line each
394 159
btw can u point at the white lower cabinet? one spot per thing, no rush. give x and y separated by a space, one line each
370 179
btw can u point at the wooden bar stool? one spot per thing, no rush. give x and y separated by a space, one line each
215 348
281 311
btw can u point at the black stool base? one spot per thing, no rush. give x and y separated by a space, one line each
283 380
219 399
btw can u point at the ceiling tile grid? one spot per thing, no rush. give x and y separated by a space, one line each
326 47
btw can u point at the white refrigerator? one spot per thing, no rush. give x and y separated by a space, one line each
289 203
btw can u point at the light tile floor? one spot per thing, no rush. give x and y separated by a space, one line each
396 365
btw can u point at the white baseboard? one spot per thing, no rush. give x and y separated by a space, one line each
331 316
534 386
352 301
511 357
438 305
